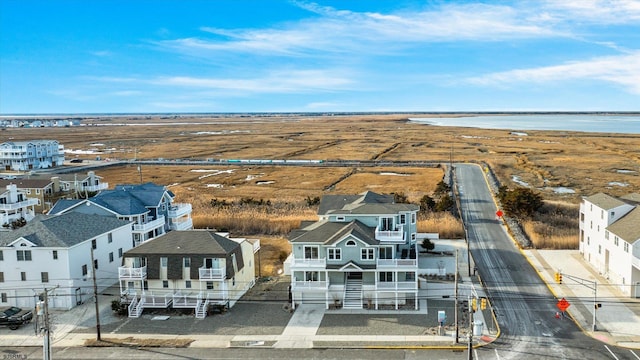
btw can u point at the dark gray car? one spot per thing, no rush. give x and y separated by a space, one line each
14 317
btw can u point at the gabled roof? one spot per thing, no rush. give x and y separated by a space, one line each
604 201
202 242
363 204
120 202
64 230
26 183
64 204
628 226
328 233
148 194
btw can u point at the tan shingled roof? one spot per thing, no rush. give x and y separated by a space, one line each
604 201
628 227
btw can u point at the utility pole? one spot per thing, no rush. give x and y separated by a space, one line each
470 346
95 295
46 350
455 299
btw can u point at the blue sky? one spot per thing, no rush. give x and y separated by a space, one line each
290 56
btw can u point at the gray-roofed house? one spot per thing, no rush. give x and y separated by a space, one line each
148 206
361 251
54 252
192 269
610 238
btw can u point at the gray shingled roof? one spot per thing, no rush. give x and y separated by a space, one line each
121 202
62 205
604 201
363 204
26 183
627 227
186 242
64 230
330 232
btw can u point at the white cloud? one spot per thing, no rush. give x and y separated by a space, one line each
595 11
623 70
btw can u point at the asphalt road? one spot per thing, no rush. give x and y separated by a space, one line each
524 305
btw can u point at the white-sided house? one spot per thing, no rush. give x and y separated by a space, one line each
34 154
79 185
149 206
361 251
54 252
609 238
15 205
192 269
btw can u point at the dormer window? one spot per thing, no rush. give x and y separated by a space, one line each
340 218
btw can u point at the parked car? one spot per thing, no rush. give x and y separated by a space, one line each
14 317
76 161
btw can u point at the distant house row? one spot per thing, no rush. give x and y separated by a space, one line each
610 238
36 123
33 154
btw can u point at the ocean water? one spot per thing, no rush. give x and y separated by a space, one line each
629 124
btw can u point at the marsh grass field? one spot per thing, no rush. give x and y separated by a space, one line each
562 166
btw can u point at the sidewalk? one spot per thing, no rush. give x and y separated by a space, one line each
617 321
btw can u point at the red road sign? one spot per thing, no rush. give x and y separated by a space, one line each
563 304
499 213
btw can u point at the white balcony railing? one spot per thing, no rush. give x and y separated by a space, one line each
308 263
396 235
212 273
148 226
182 225
309 285
19 204
133 273
397 286
98 187
397 263
179 209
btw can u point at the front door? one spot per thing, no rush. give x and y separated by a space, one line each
211 263
354 275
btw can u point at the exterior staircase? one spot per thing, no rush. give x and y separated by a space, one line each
201 308
352 294
136 307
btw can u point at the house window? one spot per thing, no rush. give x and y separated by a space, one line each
187 284
120 252
613 213
386 252
403 219
615 240
626 247
37 191
23 276
44 277
186 262
351 243
209 285
233 281
111 257
386 276
1 276
109 238
84 270
1 256
581 217
311 276
340 218
234 262
599 249
413 236
367 254
3 297
413 218
386 224
163 262
95 264
606 235
94 244
145 285
24 255
55 254
601 214
165 284
334 254
310 252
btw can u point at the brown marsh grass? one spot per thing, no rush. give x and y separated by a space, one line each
584 162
